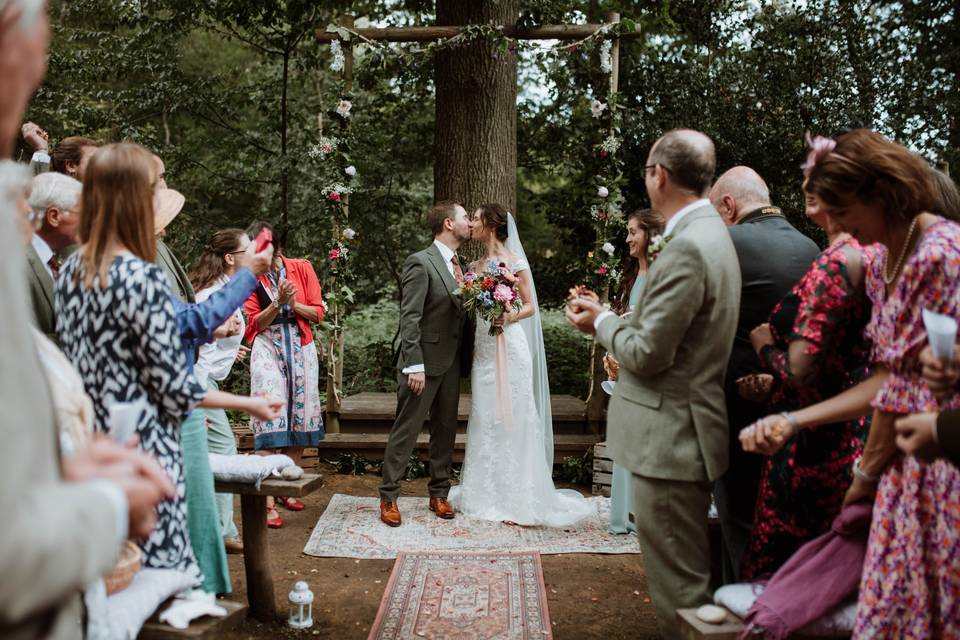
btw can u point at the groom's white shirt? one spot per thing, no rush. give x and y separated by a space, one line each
447 254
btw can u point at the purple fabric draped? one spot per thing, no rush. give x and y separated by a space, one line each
819 577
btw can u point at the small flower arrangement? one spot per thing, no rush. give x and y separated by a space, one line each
490 294
657 244
324 147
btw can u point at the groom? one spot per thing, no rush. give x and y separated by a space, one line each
432 328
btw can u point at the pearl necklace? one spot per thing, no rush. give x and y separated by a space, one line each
888 279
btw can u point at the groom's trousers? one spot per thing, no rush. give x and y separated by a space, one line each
440 398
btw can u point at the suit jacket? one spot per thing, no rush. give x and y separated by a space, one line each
41 295
432 318
948 435
667 418
179 282
63 534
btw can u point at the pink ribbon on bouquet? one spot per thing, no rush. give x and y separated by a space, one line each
503 412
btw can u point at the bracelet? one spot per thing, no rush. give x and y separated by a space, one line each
863 475
792 419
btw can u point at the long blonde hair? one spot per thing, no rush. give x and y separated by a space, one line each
117 208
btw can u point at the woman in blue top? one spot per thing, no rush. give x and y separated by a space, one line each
642 226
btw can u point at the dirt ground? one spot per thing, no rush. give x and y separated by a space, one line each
589 595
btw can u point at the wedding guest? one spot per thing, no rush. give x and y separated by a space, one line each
54 201
69 157
217 264
881 192
815 347
772 256
283 359
946 197
71 516
642 226
176 274
667 420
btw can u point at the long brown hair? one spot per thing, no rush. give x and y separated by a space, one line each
864 167
116 208
651 222
210 267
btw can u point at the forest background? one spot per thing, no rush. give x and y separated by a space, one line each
232 94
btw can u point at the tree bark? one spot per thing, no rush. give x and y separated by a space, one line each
475 143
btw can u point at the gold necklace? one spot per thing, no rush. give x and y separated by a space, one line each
888 279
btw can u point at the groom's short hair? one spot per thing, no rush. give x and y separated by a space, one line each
440 212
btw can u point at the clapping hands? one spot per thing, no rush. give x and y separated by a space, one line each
286 292
755 387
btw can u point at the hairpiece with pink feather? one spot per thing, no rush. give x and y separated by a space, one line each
820 148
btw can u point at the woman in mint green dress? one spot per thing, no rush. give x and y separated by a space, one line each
642 225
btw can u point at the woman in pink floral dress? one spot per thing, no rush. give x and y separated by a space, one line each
880 192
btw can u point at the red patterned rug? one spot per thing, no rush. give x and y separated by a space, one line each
472 596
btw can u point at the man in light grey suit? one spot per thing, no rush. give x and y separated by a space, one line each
667 420
59 531
432 327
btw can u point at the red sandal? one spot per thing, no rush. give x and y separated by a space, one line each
290 503
276 522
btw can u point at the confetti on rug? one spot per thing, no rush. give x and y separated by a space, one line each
454 594
350 527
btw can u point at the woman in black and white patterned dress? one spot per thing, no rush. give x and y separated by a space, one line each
117 325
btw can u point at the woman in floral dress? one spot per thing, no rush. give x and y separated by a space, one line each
283 359
880 192
814 346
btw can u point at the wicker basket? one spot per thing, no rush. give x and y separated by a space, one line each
127 566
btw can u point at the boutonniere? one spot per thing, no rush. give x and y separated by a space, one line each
657 244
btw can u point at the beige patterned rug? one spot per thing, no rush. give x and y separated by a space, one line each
350 527
471 596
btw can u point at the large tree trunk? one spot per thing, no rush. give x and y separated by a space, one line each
475 144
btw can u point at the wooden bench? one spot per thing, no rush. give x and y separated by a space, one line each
200 629
256 552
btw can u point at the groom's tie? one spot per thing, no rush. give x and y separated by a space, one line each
457 271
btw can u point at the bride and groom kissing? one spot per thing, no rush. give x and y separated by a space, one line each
507 468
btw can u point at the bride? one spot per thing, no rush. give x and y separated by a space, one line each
507 465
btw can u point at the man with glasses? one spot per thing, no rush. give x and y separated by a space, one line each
54 207
667 419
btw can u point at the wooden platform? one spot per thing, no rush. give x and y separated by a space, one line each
205 627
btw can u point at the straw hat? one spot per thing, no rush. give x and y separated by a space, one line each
167 203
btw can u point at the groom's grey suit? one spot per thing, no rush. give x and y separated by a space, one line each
432 326
667 420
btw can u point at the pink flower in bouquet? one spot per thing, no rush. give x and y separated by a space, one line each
602 270
469 276
503 293
334 196
335 253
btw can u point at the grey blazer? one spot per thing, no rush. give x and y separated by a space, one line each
667 418
41 295
431 315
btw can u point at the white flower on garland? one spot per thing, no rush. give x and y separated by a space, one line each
336 187
349 233
610 144
325 146
350 171
603 192
606 59
597 108
343 109
337 52
608 248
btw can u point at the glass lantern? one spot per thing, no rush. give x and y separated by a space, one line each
301 606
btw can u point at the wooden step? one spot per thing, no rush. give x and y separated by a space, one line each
205 627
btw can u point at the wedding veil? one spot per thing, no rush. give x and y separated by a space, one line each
533 328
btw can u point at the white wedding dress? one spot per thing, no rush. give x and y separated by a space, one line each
506 474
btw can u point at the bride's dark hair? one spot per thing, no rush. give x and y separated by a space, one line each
495 216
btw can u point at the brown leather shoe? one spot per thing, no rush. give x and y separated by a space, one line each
233 545
442 508
389 513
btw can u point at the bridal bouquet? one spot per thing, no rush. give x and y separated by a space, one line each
490 294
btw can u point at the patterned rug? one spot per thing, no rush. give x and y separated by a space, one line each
351 528
474 596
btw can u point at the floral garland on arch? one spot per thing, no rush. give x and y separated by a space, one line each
603 269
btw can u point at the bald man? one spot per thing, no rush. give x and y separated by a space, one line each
773 256
667 421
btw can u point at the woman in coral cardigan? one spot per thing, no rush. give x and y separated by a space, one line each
283 359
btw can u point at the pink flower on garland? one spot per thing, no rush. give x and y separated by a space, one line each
602 270
335 252
604 153
334 196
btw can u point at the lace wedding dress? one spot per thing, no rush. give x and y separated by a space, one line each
506 474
